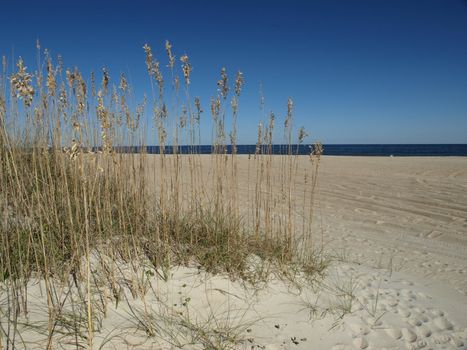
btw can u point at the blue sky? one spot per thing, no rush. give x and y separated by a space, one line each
358 71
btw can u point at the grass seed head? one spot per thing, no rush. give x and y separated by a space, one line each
239 83
168 48
301 135
123 83
199 110
105 80
51 84
147 50
222 84
186 68
288 118
22 84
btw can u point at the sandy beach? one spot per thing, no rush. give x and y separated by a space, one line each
410 211
395 233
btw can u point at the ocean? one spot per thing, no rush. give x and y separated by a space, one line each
396 150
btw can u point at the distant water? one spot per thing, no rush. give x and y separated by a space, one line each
333 150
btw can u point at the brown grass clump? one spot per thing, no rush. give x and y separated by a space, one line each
69 190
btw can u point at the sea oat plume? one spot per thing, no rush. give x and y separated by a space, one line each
288 118
147 50
199 110
223 84
123 83
50 83
105 80
239 83
302 134
316 151
234 104
260 137
22 84
168 48
186 67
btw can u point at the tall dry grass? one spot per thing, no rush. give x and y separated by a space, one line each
72 196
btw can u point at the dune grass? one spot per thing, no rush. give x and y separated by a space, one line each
69 193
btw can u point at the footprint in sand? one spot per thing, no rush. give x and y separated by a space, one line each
457 342
394 333
443 324
409 335
417 318
421 344
441 339
393 302
437 312
424 331
404 312
414 322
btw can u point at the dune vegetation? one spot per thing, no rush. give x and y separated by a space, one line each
91 220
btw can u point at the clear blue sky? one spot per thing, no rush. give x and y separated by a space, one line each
359 71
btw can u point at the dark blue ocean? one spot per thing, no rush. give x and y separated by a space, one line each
397 150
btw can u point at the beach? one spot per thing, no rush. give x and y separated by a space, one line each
394 234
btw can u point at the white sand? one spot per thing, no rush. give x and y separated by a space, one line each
397 228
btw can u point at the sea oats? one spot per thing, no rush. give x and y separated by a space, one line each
123 83
147 50
80 92
105 80
168 48
186 68
239 83
109 206
288 118
215 107
105 122
234 104
260 137
74 150
115 97
22 84
199 110
269 130
222 84
158 75
70 78
76 125
63 97
301 135
316 151
164 111
51 84
183 117
93 85
59 64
